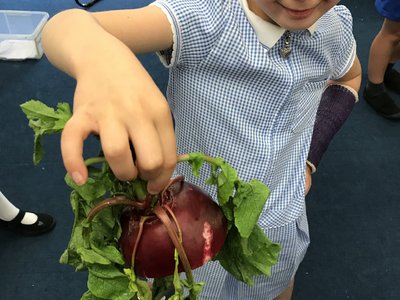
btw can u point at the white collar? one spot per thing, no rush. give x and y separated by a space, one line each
268 34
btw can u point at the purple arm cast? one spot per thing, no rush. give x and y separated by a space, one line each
336 104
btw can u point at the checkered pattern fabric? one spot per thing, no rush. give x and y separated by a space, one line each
235 98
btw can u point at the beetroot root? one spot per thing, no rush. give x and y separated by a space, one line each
197 220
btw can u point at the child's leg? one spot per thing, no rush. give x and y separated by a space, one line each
396 53
8 212
287 294
392 76
384 49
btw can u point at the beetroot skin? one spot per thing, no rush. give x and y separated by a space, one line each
199 218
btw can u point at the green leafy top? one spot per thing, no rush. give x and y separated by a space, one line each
93 246
44 120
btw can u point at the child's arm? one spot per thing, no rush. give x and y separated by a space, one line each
336 105
115 97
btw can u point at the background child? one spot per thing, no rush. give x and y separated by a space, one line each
384 53
245 83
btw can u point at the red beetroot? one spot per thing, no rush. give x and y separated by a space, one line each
201 223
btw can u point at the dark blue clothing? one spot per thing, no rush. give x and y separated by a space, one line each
390 9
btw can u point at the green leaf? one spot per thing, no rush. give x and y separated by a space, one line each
95 187
116 288
107 272
226 182
196 160
38 151
110 252
92 257
139 288
194 289
35 109
44 120
249 200
89 296
246 258
222 174
247 252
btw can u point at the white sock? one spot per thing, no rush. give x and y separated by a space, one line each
8 212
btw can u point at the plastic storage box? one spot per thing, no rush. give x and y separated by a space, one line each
20 34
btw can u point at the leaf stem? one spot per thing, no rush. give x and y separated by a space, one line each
216 161
173 232
139 235
116 200
139 187
94 160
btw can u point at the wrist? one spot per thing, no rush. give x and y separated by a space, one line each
348 88
311 167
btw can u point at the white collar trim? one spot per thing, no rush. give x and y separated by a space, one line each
268 34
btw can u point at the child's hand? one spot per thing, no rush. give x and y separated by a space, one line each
115 97
121 103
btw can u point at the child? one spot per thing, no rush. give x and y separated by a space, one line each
384 52
21 222
246 78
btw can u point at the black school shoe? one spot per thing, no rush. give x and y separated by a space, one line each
392 80
44 224
383 104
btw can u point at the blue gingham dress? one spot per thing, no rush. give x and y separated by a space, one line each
235 98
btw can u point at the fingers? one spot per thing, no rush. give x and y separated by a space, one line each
72 138
150 130
167 140
155 152
115 144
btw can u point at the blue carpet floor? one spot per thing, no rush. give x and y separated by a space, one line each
353 206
